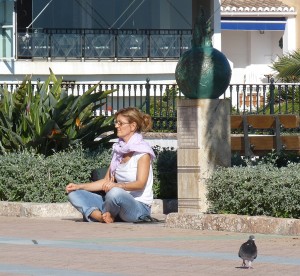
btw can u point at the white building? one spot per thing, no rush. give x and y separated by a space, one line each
127 41
254 34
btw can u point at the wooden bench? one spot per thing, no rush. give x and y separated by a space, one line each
259 144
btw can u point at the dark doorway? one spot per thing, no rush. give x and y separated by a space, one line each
24 14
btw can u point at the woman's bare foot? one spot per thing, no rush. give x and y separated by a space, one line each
107 217
97 215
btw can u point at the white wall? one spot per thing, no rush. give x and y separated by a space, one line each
236 47
265 46
251 53
217 38
106 71
289 38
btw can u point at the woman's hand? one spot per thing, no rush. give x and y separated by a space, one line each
72 187
108 185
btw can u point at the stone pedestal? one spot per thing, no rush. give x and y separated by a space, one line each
203 133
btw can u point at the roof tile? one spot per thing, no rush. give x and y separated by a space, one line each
255 5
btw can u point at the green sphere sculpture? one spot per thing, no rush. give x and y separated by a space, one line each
202 72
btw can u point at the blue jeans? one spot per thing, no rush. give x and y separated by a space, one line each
117 202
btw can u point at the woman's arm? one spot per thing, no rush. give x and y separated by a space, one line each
107 175
91 186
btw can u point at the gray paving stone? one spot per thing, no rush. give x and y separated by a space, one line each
69 246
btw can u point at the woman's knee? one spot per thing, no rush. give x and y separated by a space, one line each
75 196
115 192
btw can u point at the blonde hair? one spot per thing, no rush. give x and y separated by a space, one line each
143 121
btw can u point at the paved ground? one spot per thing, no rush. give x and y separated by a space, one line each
44 246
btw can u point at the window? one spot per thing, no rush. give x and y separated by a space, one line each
6 29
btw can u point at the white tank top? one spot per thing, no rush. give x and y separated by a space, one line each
126 172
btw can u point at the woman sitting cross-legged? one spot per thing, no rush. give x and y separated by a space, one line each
129 179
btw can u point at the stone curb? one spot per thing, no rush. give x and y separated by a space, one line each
216 222
59 210
234 223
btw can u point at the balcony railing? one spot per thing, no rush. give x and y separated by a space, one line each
103 44
159 100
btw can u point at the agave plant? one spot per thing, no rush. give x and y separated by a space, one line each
48 119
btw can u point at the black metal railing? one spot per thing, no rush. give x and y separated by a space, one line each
159 100
102 44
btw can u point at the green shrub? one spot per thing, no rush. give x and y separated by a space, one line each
30 177
263 189
268 185
279 160
165 173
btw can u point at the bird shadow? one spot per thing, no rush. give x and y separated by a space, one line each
243 267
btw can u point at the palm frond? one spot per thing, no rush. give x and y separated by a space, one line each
288 66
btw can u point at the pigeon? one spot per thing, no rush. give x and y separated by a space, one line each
248 251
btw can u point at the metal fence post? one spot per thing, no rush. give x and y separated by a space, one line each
272 90
148 96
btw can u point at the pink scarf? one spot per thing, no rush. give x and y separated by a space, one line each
135 144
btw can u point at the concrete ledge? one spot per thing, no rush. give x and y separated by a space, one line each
59 210
217 222
47 210
234 223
